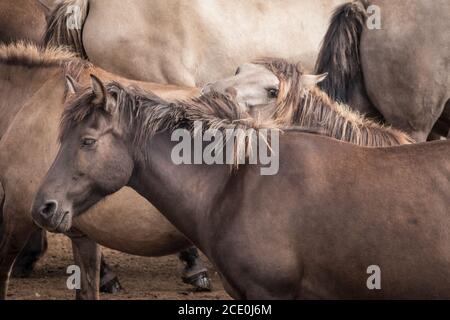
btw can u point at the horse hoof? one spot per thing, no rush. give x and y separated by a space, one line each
113 286
200 281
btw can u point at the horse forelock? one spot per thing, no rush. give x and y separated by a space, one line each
289 91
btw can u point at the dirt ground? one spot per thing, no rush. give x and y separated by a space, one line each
142 278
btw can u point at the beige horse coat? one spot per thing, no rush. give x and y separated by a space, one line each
192 42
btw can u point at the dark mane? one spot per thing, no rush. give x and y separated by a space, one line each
147 114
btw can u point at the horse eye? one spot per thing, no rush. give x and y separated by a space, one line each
88 142
237 71
272 93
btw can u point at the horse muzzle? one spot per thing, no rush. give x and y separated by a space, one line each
52 217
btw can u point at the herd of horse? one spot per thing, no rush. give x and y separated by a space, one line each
358 182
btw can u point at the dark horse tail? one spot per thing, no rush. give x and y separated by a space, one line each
65 25
339 53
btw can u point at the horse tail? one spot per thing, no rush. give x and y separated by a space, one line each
339 53
65 25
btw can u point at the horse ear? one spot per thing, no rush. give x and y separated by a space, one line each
310 80
102 98
46 8
72 85
99 91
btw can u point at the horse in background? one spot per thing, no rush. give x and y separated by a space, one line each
188 42
399 73
24 20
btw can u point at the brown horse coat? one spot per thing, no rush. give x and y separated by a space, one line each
333 210
23 20
33 91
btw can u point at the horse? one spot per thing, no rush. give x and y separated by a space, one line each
332 212
397 73
273 88
33 92
188 43
14 13
12 28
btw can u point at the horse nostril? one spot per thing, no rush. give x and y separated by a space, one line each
49 208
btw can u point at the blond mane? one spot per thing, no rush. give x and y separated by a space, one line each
314 108
31 55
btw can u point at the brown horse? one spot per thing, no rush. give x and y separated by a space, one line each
276 89
188 43
333 210
24 20
398 73
33 91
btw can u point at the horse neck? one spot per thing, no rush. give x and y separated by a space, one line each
338 121
185 194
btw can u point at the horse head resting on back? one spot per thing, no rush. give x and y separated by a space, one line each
277 89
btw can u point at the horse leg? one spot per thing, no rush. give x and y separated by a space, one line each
109 282
10 248
14 237
2 201
87 256
33 251
194 272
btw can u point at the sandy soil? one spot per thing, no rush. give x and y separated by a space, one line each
142 278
